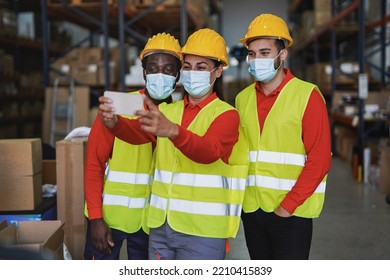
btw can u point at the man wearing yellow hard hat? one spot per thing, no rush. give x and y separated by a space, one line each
201 160
286 123
116 201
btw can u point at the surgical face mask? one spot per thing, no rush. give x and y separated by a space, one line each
263 68
196 83
160 86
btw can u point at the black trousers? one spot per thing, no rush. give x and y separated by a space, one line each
137 246
270 237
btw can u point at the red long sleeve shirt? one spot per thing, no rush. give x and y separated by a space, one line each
315 137
99 150
217 143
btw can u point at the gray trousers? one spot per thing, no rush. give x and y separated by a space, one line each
167 244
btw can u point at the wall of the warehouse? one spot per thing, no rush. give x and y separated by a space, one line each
236 17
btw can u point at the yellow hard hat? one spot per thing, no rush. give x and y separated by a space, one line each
162 42
267 25
208 43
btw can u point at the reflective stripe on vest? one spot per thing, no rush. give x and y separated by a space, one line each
121 200
200 180
278 184
276 157
196 207
128 177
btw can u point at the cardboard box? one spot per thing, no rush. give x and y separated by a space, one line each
322 5
113 73
75 56
81 107
345 139
85 73
321 73
374 97
93 55
70 156
322 12
20 174
322 17
42 237
20 192
20 157
347 144
49 171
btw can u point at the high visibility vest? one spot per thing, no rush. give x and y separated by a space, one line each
277 155
198 199
127 186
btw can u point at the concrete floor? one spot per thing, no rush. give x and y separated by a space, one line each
354 224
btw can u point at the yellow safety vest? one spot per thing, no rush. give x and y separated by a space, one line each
277 155
198 199
127 186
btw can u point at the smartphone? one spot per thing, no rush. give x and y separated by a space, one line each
125 103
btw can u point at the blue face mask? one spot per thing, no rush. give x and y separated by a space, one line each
262 69
196 83
160 86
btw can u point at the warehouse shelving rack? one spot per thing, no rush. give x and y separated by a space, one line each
25 51
108 19
85 16
114 19
21 47
309 48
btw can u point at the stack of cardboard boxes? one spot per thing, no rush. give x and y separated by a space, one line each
86 65
311 19
347 135
22 172
347 75
21 177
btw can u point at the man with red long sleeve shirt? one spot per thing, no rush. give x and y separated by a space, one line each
286 123
116 201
